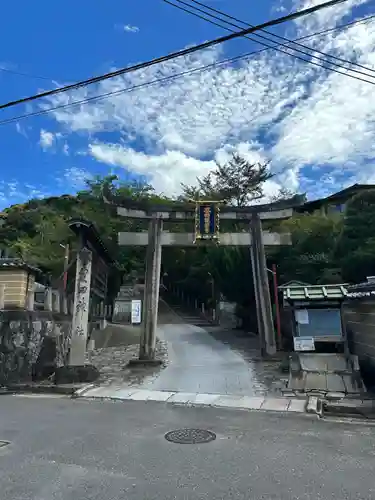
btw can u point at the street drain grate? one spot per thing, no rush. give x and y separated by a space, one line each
190 436
3 443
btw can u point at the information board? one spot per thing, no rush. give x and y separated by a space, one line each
304 344
136 316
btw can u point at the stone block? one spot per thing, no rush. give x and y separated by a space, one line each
182 397
335 395
297 405
74 374
229 401
205 399
316 381
77 354
335 383
275 404
350 407
134 363
314 405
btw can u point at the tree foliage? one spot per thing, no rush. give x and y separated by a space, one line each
324 250
238 182
356 244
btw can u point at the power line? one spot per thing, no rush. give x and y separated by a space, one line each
207 67
276 47
28 75
294 42
184 52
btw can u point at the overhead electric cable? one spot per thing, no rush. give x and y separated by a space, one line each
276 47
183 52
171 77
293 42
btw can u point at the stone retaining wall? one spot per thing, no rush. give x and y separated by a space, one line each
359 320
32 344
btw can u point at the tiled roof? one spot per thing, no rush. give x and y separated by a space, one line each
361 290
17 264
315 292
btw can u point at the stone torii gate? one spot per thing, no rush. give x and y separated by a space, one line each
156 238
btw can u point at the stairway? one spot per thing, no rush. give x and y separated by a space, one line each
324 373
188 314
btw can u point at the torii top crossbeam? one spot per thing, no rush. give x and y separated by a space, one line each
181 211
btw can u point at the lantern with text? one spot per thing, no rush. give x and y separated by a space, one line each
207 221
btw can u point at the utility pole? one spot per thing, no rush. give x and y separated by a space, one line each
262 292
151 293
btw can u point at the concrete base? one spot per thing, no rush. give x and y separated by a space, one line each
133 363
314 405
76 374
346 407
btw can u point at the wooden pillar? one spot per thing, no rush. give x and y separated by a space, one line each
81 308
48 300
2 296
64 304
30 298
57 304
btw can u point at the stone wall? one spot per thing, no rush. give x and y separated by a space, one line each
32 344
359 321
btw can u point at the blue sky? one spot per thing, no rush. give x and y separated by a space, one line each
315 127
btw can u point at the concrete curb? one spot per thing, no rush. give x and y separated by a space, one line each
274 404
66 389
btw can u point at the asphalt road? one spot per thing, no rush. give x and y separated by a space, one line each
70 449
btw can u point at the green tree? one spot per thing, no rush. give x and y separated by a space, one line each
310 257
238 182
355 249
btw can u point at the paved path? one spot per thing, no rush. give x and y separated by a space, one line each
200 364
201 370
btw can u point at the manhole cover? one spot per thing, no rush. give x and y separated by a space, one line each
190 436
3 443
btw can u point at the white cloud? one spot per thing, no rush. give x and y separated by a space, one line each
166 171
48 139
21 130
14 192
295 114
131 29
74 178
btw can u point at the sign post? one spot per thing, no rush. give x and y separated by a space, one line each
136 313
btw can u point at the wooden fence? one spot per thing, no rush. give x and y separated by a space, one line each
49 299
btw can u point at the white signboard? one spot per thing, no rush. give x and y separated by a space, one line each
304 344
136 312
302 316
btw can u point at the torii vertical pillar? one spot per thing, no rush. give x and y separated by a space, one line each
151 295
262 291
